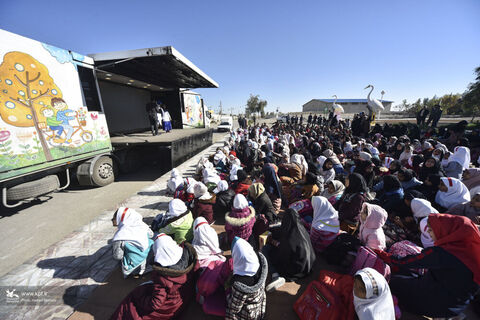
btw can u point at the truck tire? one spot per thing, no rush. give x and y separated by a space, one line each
34 188
103 172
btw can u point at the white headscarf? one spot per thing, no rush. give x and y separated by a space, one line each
221 186
167 251
245 260
240 202
325 217
219 156
425 237
233 172
131 228
365 155
205 240
421 208
461 156
300 160
175 180
387 161
406 154
176 207
348 147
200 191
190 183
210 176
457 193
378 303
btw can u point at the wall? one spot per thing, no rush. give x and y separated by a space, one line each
125 107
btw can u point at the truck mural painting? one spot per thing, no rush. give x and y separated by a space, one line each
193 116
42 117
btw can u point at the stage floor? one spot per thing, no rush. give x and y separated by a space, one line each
162 138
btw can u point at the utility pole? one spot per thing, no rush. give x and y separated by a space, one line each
221 107
231 111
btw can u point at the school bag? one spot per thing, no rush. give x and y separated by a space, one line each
367 258
337 252
303 207
329 297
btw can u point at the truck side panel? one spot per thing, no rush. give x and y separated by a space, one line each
43 120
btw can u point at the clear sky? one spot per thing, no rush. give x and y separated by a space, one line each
288 52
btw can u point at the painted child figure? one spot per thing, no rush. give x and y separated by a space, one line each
52 122
131 242
62 115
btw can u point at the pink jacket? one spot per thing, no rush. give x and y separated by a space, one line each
371 232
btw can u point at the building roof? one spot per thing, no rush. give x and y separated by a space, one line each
348 100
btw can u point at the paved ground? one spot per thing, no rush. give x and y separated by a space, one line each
31 228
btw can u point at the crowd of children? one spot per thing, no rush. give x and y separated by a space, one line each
396 218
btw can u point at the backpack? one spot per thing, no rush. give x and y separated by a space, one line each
303 207
336 252
319 302
366 257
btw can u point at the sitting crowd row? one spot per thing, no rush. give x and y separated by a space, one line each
395 220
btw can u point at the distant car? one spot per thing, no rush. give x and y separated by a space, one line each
282 119
226 124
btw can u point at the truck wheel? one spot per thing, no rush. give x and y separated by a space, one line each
34 188
103 173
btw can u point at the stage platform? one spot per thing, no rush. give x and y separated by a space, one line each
168 149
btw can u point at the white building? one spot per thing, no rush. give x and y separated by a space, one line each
349 105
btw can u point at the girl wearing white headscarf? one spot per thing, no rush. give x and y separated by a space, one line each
203 203
325 224
421 208
325 169
205 242
372 297
214 270
210 177
299 159
457 162
178 223
172 286
406 155
247 299
175 180
334 191
132 241
451 191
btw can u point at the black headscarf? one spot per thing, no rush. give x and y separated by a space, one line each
425 171
398 165
294 257
356 184
391 183
412 194
271 183
310 178
361 168
407 174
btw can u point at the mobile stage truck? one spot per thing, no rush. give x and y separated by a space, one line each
59 109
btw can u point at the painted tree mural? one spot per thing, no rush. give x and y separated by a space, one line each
25 88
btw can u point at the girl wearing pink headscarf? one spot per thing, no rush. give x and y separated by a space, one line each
372 219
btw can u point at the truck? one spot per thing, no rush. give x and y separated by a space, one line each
226 124
58 110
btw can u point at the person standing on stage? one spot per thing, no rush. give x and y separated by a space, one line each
151 108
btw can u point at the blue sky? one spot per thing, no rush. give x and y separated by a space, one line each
288 52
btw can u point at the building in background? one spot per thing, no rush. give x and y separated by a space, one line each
349 105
